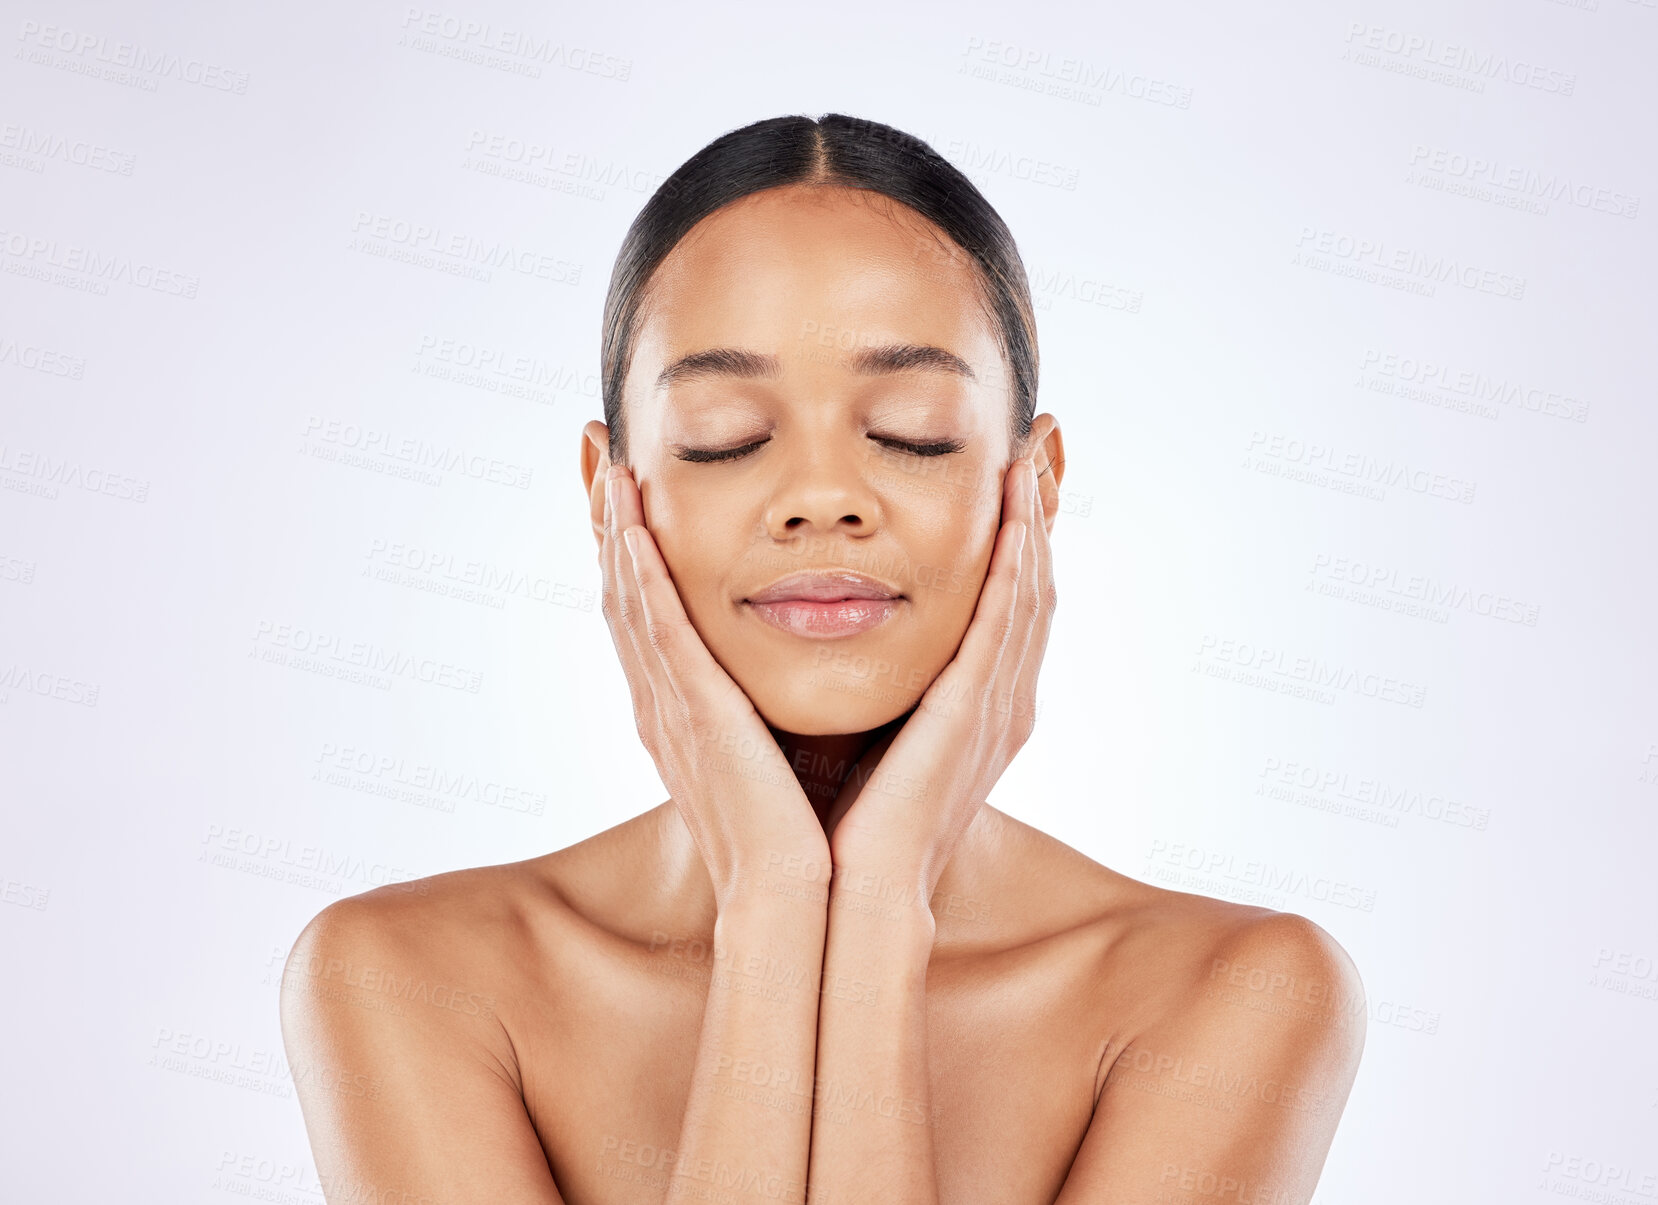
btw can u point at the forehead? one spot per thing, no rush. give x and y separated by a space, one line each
797 269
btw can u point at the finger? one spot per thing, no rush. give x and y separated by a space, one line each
625 610
625 511
627 501
1027 605
975 664
978 664
1043 544
663 622
680 664
1022 697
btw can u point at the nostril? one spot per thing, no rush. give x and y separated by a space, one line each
853 520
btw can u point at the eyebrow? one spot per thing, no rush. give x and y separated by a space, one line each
868 361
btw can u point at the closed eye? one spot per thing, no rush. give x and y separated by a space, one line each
709 455
941 448
714 455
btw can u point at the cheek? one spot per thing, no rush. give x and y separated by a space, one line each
948 526
704 544
950 557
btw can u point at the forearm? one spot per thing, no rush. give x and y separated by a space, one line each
872 1137
747 1123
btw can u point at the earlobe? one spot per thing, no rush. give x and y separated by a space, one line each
1049 463
595 463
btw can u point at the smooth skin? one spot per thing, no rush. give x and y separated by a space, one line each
825 968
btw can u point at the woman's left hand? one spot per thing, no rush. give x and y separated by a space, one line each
913 794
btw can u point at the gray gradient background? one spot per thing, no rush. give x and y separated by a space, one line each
1284 449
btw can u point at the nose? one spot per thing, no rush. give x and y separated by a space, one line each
823 488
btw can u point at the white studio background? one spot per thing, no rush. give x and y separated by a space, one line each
1347 312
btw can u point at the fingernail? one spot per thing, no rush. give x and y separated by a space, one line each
630 537
611 490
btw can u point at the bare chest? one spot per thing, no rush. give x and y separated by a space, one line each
1013 1052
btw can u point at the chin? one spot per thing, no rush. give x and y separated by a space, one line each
822 702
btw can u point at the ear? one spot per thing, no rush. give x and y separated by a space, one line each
1046 450
595 463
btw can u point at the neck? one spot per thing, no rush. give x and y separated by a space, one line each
823 764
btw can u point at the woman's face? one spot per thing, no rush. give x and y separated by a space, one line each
816 301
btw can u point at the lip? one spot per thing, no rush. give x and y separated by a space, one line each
824 586
826 604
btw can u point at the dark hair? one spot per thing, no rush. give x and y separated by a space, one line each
832 150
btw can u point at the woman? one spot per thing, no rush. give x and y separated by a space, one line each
825 968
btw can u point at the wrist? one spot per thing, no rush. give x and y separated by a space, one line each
776 882
884 865
896 902
773 868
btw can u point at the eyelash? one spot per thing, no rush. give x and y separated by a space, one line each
714 456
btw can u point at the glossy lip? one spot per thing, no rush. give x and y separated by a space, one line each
826 604
824 586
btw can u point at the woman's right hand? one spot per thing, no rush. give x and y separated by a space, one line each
723 768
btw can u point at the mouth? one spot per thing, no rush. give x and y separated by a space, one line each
825 605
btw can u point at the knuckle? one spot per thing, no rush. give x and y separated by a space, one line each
645 722
660 635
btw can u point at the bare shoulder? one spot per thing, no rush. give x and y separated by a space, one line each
1232 1036
1172 957
458 953
395 1010
419 960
